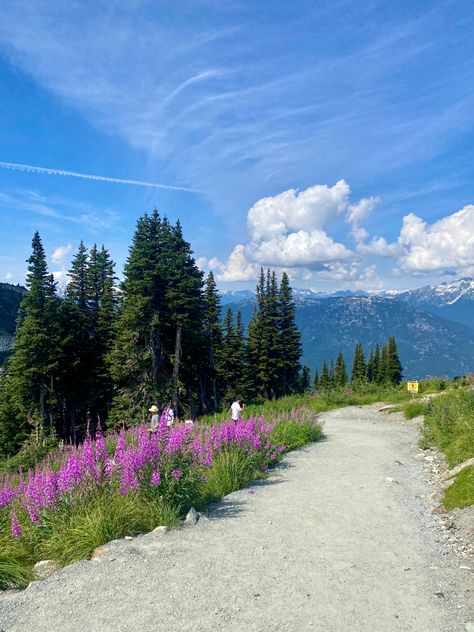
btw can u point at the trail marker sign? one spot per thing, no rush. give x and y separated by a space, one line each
412 387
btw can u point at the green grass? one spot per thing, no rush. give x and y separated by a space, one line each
449 425
14 571
461 492
414 409
76 531
231 470
295 435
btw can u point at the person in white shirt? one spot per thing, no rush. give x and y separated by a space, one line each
236 409
169 415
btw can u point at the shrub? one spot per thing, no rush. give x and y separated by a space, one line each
232 469
414 409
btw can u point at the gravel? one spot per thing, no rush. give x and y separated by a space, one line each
342 537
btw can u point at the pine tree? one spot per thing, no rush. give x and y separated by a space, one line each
376 365
359 369
305 379
383 366
324 379
290 339
340 371
316 380
30 386
213 347
229 344
394 367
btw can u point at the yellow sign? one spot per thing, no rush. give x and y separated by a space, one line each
412 387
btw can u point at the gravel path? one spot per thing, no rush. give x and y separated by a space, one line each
341 538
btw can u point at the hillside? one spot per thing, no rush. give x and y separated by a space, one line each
10 299
453 300
428 344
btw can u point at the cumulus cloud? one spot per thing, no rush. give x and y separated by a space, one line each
380 247
447 244
60 254
293 210
287 231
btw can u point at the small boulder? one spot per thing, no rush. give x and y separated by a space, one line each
162 529
45 568
192 517
98 551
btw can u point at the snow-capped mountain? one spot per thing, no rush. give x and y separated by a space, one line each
453 300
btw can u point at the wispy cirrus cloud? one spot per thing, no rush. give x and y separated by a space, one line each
87 176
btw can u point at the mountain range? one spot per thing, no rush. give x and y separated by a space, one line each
433 325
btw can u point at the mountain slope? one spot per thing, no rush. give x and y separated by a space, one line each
453 300
428 344
10 299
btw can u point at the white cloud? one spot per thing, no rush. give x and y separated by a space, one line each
60 254
357 213
380 247
354 274
273 217
236 268
300 249
447 244
8 276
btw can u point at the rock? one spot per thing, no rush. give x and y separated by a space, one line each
128 537
389 479
97 552
192 517
470 627
45 568
163 529
429 458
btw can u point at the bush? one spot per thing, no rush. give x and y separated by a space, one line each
295 435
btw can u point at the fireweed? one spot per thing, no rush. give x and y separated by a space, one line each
169 465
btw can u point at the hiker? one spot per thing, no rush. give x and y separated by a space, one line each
155 418
169 412
236 409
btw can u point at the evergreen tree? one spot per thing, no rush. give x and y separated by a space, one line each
393 367
305 379
340 371
30 386
213 347
316 380
229 345
359 369
383 366
239 370
289 340
324 379
332 375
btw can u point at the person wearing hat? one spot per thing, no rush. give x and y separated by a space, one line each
155 418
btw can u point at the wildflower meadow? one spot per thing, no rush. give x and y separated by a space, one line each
130 482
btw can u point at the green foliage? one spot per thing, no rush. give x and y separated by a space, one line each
75 531
461 492
295 434
359 368
31 452
14 571
231 470
449 425
414 409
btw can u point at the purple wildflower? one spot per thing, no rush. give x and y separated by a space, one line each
17 531
176 473
155 478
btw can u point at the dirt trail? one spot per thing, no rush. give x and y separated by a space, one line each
342 538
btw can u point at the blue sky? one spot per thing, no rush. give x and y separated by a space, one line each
334 140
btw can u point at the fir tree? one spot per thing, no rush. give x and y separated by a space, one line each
394 367
289 340
324 379
383 366
359 369
305 379
316 380
30 386
340 371
213 347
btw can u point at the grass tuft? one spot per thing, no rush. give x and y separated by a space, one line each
461 492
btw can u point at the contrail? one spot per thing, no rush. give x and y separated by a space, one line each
87 176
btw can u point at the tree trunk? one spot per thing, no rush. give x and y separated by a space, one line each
177 357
